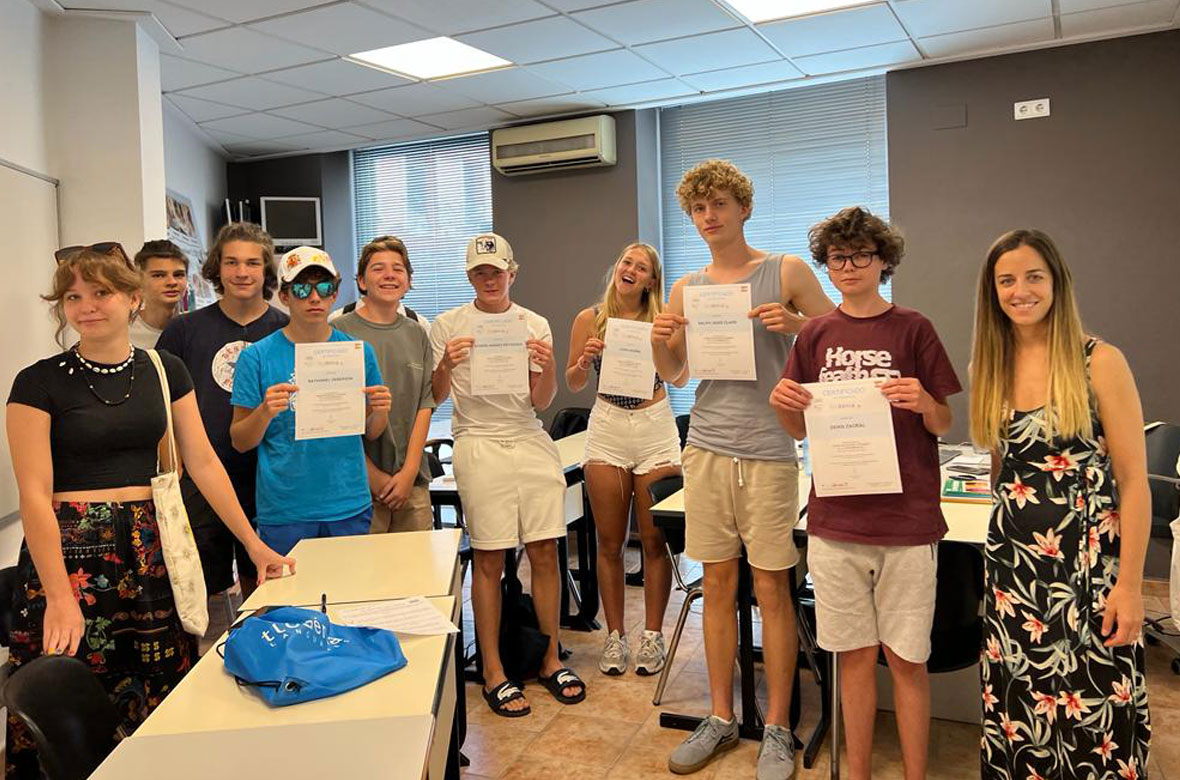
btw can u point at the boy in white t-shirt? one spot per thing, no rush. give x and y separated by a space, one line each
507 471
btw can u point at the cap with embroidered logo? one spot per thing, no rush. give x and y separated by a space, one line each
489 249
300 259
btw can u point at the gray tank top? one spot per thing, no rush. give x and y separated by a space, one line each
734 418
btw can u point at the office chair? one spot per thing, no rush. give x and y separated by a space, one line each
68 714
1163 475
682 428
693 590
568 421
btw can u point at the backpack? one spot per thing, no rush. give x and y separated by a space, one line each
522 645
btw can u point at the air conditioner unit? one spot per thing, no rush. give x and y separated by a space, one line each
552 146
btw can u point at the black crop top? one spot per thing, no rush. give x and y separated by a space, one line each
95 446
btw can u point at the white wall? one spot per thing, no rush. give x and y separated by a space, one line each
22 42
193 168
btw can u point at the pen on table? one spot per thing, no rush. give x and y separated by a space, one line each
324 603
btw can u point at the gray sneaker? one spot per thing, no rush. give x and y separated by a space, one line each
776 757
712 738
652 655
614 655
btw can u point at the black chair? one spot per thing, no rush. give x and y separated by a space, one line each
957 633
568 421
7 593
674 542
1163 476
682 428
434 446
69 715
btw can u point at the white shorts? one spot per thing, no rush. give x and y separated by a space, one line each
638 440
513 491
871 594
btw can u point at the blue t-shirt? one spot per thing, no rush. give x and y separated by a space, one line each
309 480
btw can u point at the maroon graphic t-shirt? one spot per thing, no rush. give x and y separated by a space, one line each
898 343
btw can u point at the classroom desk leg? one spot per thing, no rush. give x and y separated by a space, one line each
459 729
834 744
581 585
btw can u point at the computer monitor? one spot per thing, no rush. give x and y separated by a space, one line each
292 221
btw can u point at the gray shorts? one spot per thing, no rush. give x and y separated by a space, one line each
869 594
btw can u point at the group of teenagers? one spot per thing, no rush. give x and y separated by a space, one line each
1063 694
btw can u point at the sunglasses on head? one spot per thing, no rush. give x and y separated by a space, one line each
109 248
302 290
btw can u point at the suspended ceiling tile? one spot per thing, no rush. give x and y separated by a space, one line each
337 77
396 128
599 71
936 17
344 29
449 17
483 116
641 93
541 39
564 104
247 50
642 21
203 110
864 58
333 112
836 31
177 73
260 126
710 51
747 75
501 86
415 100
1119 19
988 38
252 93
246 10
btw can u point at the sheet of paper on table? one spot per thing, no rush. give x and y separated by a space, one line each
413 615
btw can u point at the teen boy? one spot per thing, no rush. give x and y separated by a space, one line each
311 487
507 471
740 475
241 267
165 279
873 558
398 475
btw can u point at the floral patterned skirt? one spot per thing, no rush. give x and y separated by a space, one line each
133 640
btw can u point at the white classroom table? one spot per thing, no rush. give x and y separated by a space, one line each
208 704
376 748
371 567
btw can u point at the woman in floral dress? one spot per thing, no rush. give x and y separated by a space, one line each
1064 694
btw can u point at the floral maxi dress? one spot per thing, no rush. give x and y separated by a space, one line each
1057 704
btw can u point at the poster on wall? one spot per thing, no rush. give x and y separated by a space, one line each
182 231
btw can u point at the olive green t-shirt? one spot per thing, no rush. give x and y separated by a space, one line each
405 357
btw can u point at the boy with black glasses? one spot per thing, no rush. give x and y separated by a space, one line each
264 418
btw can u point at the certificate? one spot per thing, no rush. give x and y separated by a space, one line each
499 357
720 333
850 439
331 380
627 365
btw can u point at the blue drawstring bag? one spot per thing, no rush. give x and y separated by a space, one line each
290 655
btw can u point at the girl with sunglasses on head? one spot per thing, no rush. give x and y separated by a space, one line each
631 443
306 488
1064 694
84 428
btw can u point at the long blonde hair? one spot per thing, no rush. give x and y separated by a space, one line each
651 302
1067 407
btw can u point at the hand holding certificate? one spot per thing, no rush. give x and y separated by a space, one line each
627 366
499 356
720 333
850 439
331 398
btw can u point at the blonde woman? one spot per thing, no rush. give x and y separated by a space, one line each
1064 694
83 429
631 443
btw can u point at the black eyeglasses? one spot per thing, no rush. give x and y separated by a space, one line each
109 248
859 260
302 290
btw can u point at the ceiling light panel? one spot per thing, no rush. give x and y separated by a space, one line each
769 10
433 58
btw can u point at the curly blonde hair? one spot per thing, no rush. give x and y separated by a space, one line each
711 176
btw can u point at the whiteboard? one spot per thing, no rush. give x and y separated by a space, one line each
28 223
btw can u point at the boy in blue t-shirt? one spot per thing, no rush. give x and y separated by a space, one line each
264 399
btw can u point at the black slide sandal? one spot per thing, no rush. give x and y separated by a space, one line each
503 694
564 678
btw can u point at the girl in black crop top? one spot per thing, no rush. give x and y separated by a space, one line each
83 430
631 443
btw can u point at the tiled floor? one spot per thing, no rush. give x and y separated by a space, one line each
615 732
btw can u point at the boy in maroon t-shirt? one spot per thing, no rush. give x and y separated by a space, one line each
873 557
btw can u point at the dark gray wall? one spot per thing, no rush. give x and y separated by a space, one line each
324 176
566 228
1100 175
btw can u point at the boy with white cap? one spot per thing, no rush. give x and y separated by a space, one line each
311 487
507 471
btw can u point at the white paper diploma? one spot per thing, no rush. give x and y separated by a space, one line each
499 357
850 439
720 333
414 615
627 365
331 381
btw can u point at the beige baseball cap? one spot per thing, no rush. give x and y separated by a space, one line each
489 249
301 258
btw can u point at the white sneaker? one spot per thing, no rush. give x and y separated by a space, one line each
614 655
651 656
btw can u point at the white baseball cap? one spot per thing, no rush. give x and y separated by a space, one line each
301 258
489 249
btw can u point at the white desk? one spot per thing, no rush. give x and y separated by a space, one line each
373 567
209 700
377 748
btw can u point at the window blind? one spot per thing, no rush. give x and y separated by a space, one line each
809 151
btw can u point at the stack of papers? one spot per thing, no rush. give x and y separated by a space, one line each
414 615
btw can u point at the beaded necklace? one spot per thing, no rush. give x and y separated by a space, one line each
90 367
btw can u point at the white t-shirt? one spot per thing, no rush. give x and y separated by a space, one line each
143 335
509 416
